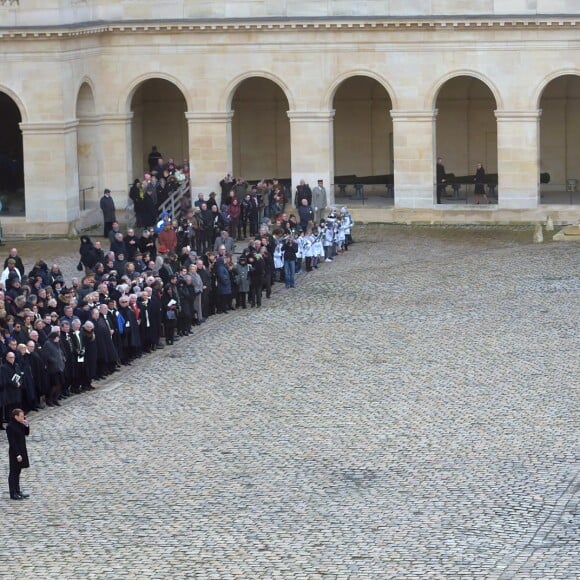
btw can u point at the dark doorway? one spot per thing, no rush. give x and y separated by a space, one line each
11 158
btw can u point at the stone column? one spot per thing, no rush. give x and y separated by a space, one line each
518 159
50 171
312 149
210 150
116 157
414 153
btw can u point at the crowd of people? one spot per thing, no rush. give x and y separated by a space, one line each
140 293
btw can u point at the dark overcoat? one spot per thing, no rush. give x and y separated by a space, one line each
106 351
39 372
108 208
90 344
224 283
16 433
11 386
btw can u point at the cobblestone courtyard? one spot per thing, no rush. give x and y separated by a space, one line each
409 411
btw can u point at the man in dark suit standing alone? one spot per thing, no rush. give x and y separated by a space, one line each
108 208
17 431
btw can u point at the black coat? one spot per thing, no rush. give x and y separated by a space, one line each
186 297
88 252
30 391
107 205
306 215
11 387
257 272
131 247
106 351
147 244
479 181
16 433
90 344
441 175
118 247
170 312
149 214
38 369
53 357
67 350
150 321
302 192
135 196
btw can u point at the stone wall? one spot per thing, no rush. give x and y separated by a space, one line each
51 12
302 114
55 12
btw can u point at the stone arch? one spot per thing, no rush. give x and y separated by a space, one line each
17 101
12 159
88 146
466 135
126 98
225 102
328 97
546 80
162 98
433 93
88 82
363 143
260 130
85 101
559 141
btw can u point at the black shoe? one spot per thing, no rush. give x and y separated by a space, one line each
23 495
15 496
56 403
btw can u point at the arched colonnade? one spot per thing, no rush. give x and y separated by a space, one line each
257 129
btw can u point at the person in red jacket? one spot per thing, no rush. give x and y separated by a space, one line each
235 227
168 237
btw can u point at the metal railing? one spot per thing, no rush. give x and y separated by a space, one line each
82 196
171 205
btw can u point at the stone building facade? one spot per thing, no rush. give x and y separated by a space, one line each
288 88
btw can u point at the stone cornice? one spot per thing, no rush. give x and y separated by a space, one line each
377 24
413 116
506 116
49 127
310 116
114 118
209 116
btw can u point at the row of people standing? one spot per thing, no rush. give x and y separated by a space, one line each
57 341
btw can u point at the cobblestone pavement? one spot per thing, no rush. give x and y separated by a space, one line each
409 411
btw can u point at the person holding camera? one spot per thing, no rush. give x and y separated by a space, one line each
290 251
